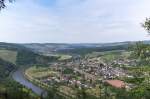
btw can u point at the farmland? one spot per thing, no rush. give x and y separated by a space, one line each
8 55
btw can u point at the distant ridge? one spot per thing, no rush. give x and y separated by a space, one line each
67 47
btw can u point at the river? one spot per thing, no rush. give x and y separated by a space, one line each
19 77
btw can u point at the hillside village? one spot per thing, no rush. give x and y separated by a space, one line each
86 73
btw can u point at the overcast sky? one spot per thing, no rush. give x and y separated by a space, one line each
74 21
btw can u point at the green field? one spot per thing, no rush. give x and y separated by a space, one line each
65 57
39 72
8 55
61 57
111 56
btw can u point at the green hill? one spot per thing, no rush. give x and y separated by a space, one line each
8 55
11 57
20 55
5 68
15 55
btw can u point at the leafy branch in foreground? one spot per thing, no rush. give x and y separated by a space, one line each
146 25
3 3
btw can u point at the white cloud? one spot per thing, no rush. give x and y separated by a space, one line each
74 21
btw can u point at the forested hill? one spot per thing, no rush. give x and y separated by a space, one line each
20 55
15 55
12 56
5 68
84 51
77 48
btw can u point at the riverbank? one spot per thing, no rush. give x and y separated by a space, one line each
18 76
59 91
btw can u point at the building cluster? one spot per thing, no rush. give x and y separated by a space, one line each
98 68
85 72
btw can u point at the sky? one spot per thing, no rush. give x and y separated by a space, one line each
74 21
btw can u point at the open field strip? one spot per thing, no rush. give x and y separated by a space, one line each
8 55
46 86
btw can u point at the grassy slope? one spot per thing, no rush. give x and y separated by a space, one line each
8 59
8 55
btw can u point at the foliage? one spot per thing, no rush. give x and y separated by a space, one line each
146 25
3 3
141 51
5 68
13 90
26 57
68 71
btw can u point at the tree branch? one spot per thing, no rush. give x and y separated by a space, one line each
3 3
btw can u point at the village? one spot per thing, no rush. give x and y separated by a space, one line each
86 73
95 75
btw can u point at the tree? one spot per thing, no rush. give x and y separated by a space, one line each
146 25
3 3
52 93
